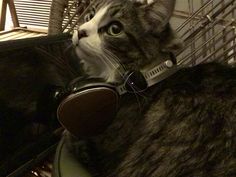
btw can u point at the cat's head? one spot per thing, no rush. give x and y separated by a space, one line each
119 35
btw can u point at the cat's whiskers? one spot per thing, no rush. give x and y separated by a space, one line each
111 61
114 61
113 58
87 46
94 58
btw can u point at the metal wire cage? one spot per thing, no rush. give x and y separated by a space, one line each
209 32
65 15
207 27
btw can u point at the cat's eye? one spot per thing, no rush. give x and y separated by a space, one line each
89 15
115 29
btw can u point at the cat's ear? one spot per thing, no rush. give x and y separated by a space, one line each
156 13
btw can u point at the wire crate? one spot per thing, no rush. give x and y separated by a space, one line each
208 32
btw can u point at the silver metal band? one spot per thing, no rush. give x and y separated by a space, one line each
155 75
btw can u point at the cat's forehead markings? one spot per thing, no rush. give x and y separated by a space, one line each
100 14
98 5
113 10
92 25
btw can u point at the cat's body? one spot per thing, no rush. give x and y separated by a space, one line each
28 77
183 126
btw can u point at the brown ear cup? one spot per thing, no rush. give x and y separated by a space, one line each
88 109
88 105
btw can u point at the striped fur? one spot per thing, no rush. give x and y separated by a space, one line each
183 127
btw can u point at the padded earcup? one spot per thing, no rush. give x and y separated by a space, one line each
88 109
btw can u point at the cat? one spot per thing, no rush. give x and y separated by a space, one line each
29 75
182 126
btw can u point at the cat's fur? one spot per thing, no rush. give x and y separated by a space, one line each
28 77
184 126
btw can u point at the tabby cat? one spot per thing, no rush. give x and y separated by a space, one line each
29 74
184 126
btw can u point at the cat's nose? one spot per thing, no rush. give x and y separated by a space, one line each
81 34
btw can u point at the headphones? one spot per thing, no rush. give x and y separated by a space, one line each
88 105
